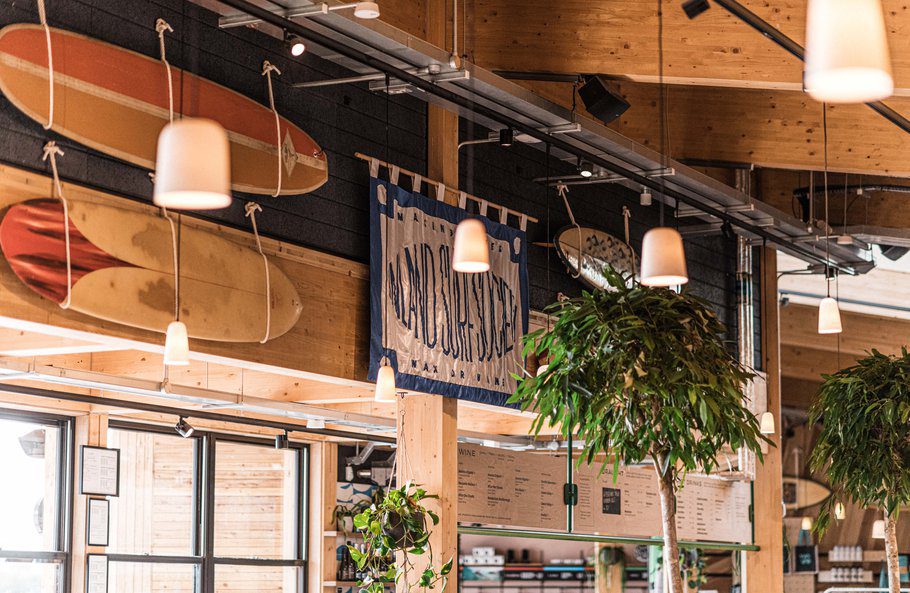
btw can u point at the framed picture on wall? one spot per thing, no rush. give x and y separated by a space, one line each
98 522
100 475
96 573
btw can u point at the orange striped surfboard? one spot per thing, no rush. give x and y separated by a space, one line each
116 101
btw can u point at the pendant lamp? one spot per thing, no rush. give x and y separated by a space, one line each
385 384
366 10
878 529
847 57
829 317
806 524
663 259
176 345
840 511
193 166
471 253
767 423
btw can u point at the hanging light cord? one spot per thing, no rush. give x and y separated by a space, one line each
42 16
662 107
162 26
51 151
385 243
267 69
176 264
251 209
825 180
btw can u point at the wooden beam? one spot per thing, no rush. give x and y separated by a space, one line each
763 570
619 38
810 364
798 393
323 485
23 344
862 333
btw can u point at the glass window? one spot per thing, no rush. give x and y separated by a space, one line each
154 512
148 577
256 493
21 576
257 579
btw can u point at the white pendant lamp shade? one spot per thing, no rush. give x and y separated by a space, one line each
878 529
806 524
385 384
366 10
663 259
176 345
193 166
471 254
840 511
829 317
767 423
847 57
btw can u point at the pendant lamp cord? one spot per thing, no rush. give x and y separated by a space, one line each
42 17
51 151
251 209
267 69
662 102
170 220
162 26
563 191
827 219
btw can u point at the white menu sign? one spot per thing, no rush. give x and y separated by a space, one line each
100 471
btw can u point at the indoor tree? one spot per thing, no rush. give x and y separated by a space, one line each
864 445
640 373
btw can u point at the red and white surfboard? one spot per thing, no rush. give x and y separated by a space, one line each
116 101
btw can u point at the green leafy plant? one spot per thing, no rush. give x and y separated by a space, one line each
396 521
641 372
863 448
342 512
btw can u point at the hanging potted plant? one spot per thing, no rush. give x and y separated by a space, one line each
397 522
863 448
640 373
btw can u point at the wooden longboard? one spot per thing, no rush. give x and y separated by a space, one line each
598 250
800 493
122 270
116 101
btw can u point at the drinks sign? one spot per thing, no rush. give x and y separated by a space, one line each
442 331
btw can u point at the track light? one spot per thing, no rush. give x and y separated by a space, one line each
471 252
585 168
645 197
366 10
316 423
694 8
282 441
183 428
663 259
829 317
767 423
295 44
506 137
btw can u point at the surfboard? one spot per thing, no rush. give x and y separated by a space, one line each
122 270
800 493
116 101
597 250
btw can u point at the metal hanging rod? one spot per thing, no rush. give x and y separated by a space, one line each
340 48
606 539
603 178
230 22
436 184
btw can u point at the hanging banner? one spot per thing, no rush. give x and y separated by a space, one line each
443 332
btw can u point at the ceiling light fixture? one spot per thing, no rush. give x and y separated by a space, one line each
840 511
471 252
316 423
176 345
693 8
295 44
506 137
385 384
585 168
829 317
767 424
183 428
193 166
282 441
878 529
366 10
645 197
663 258
806 524
847 56
828 311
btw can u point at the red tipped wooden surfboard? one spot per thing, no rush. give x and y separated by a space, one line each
116 101
122 270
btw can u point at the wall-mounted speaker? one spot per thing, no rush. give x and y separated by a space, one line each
602 99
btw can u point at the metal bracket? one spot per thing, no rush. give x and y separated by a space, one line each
570 494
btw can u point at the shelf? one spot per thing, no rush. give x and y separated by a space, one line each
825 576
342 534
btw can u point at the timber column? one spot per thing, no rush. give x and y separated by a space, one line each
90 429
763 571
428 424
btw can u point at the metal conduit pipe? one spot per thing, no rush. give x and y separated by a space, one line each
795 49
483 111
181 412
802 193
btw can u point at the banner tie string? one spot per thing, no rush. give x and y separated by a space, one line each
267 69
251 209
51 151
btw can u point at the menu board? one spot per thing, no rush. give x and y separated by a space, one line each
525 489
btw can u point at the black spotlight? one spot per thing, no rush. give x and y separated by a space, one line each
295 44
183 428
693 8
585 168
506 137
602 99
282 441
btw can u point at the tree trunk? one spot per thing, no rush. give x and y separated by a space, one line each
668 516
894 575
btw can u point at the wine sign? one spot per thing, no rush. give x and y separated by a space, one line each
443 332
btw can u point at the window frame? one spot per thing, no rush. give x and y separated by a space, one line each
62 555
203 533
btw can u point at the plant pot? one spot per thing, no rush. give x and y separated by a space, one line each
393 526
